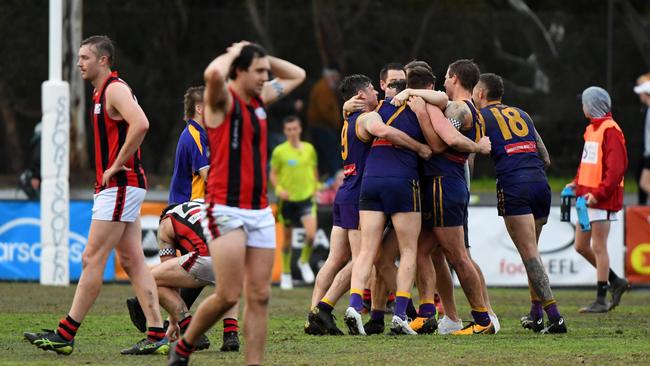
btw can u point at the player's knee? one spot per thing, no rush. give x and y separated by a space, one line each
230 297
258 296
582 248
90 258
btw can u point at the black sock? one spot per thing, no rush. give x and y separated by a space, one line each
612 276
189 295
601 291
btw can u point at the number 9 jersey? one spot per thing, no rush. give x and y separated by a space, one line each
514 146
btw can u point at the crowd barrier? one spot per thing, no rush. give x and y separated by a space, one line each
491 247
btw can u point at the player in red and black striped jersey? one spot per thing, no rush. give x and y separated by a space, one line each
120 126
238 225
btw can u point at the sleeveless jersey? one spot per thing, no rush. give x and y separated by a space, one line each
451 163
387 160
188 233
238 156
109 137
354 152
514 147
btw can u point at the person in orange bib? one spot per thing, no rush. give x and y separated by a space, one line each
600 182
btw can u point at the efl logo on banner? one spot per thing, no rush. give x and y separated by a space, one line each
637 238
495 253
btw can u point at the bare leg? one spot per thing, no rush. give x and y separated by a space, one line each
600 232
372 226
336 261
341 283
228 259
583 245
102 238
407 228
257 288
453 244
129 250
444 283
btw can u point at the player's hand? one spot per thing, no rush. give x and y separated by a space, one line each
591 200
570 185
484 145
173 331
417 105
110 172
353 104
401 97
235 48
284 195
425 151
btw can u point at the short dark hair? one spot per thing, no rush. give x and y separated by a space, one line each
493 86
351 85
290 118
383 73
419 77
245 58
467 72
416 63
103 47
192 96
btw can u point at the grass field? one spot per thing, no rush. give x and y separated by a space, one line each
621 337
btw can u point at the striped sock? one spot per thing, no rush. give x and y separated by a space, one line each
355 299
184 323
481 316
367 294
67 328
184 349
155 334
230 325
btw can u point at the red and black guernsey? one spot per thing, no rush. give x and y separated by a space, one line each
238 156
188 233
109 139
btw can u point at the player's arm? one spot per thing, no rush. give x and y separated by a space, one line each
166 249
419 107
447 125
352 105
287 77
541 150
374 125
437 98
120 98
216 96
274 176
203 173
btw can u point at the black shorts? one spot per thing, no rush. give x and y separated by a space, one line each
291 213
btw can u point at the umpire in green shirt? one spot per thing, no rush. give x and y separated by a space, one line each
294 173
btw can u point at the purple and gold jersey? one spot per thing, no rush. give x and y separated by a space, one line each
354 151
387 160
514 147
451 163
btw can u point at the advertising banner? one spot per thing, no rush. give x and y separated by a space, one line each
20 246
637 238
493 250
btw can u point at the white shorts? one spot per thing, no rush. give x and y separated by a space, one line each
596 214
199 267
259 225
118 204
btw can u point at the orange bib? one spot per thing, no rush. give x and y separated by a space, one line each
591 165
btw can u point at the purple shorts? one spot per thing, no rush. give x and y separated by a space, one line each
346 215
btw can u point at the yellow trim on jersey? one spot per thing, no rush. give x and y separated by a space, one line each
356 129
196 135
397 112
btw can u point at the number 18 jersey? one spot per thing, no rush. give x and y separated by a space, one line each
514 146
